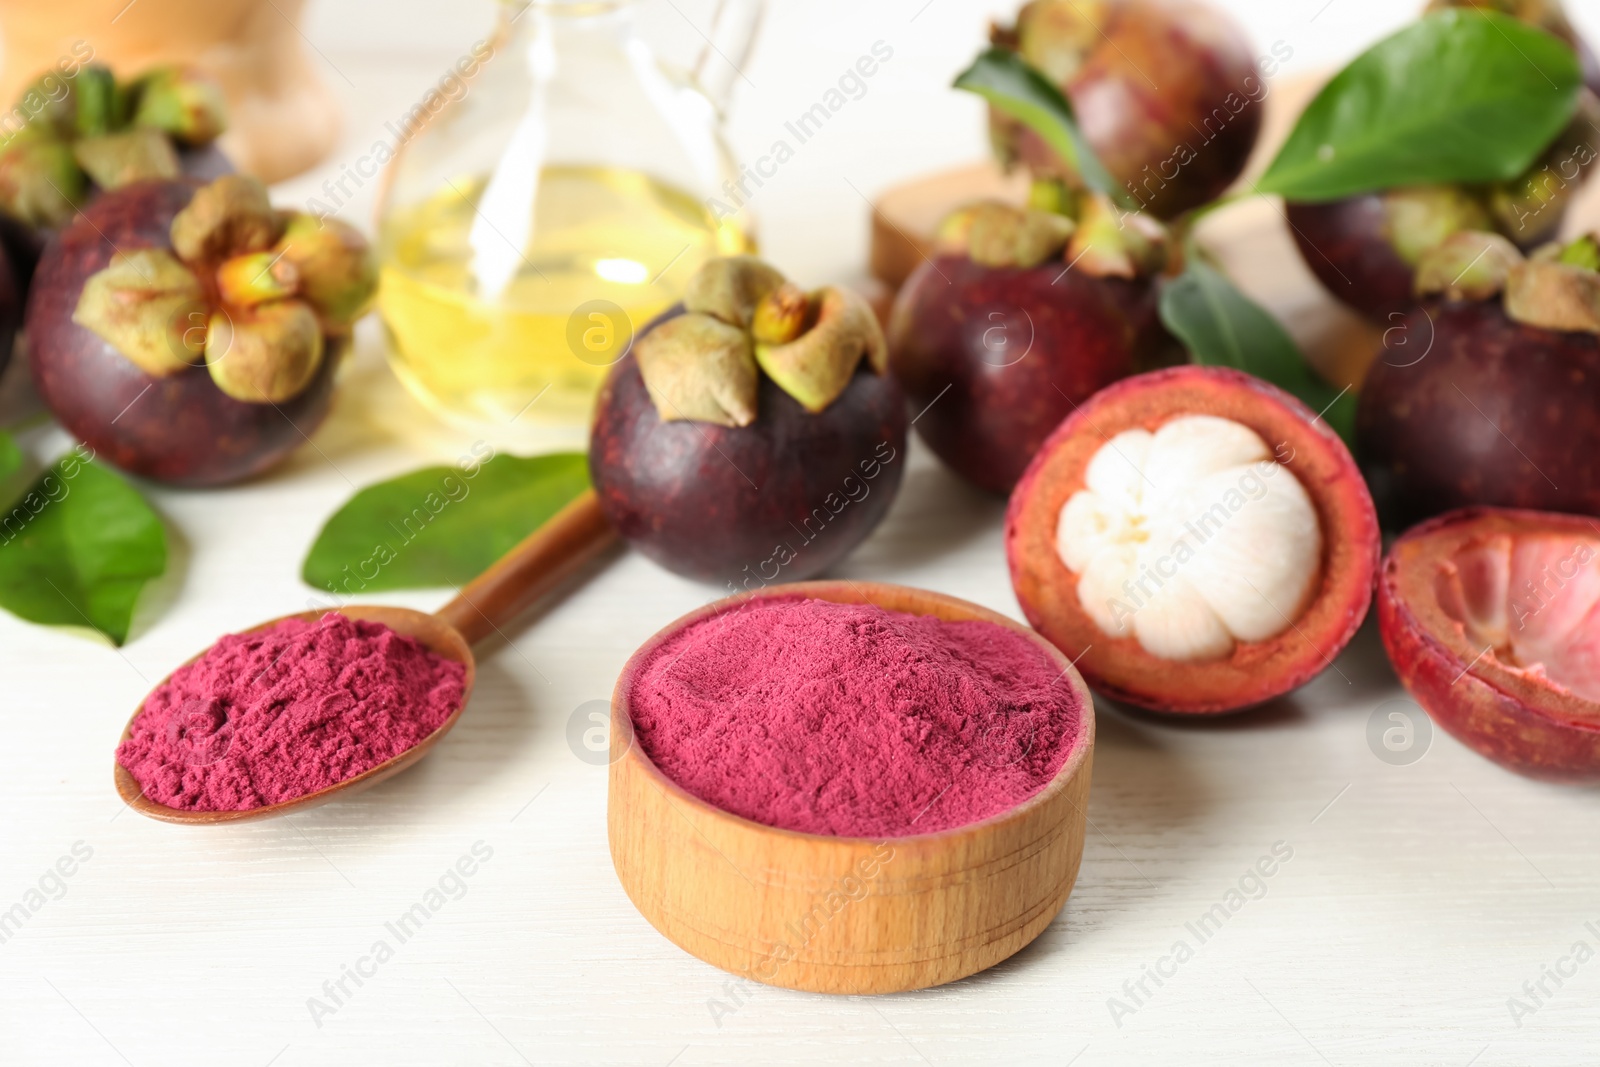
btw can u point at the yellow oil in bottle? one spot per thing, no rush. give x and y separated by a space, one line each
611 249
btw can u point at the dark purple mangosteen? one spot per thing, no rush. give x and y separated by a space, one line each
752 434
1022 317
1492 398
190 333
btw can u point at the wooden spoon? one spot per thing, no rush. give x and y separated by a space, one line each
545 558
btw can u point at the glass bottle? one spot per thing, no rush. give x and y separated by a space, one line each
562 200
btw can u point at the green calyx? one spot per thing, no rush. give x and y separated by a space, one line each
1422 223
114 159
230 216
1055 36
1026 76
254 291
699 368
1417 217
41 183
1088 231
337 269
1558 287
1468 265
91 128
266 354
187 107
1582 252
142 303
816 365
742 317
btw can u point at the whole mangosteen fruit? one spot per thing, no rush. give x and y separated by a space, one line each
1198 541
1492 398
1167 93
89 133
1491 617
1019 318
189 333
752 434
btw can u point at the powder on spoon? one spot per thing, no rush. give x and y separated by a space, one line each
276 714
851 720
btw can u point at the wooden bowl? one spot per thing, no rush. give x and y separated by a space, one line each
844 914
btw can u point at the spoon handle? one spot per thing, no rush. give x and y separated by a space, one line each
548 556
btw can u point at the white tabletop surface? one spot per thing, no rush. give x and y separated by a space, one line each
1418 898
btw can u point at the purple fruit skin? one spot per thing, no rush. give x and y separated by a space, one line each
178 429
721 504
1344 244
1496 413
954 336
10 306
22 245
204 162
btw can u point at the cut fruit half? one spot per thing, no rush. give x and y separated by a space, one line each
1491 617
1198 540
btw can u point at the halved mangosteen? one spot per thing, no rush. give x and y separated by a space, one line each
1491 617
1197 539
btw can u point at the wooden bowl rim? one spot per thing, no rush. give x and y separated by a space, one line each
845 591
439 637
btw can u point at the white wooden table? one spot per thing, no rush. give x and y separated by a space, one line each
1417 900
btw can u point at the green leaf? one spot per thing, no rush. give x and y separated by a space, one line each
10 459
77 547
440 525
1013 86
1458 96
1223 327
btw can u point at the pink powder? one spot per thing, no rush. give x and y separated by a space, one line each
851 720
270 716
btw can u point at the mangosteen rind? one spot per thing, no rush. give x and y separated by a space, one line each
1500 719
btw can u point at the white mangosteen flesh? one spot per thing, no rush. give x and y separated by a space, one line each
1191 539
